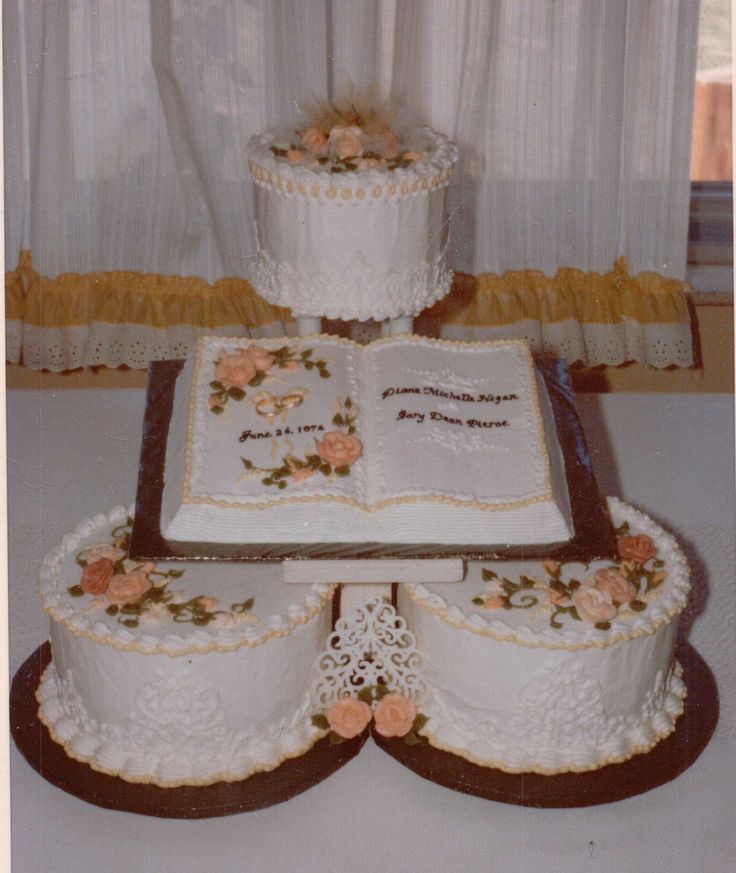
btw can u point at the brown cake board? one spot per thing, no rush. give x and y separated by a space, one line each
670 757
110 792
594 536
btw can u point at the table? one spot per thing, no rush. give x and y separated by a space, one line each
73 453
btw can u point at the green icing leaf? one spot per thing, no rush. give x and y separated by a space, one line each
637 605
76 591
343 471
236 393
335 739
366 694
319 721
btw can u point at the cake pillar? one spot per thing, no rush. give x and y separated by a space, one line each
396 326
308 325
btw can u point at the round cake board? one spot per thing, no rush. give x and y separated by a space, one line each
222 798
670 757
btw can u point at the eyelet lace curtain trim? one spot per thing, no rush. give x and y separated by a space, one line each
581 316
125 150
128 318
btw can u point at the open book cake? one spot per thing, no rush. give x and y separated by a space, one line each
405 440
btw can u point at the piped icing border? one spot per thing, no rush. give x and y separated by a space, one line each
672 708
54 601
84 746
357 187
664 608
318 496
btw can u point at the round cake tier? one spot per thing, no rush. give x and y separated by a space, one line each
352 245
178 673
547 668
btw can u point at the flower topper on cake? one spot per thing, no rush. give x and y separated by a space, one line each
137 591
250 366
370 671
357 132
334 454
597 599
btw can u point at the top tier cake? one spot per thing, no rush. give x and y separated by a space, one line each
351 217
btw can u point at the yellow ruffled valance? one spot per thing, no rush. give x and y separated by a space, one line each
74 300
132 318
587 297
123 297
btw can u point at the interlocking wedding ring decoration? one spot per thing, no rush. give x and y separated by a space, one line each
270 405
370 646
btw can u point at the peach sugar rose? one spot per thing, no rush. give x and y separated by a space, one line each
238 369
395 715
96 576
594 605
348 717
127 587
636 548
616 584
339 449
344 142
101 550
235 371
314 141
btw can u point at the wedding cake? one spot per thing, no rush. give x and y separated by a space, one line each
176 673
536 666
406 440
351 217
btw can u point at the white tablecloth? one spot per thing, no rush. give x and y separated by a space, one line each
74 453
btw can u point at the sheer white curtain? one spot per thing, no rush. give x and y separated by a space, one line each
126 122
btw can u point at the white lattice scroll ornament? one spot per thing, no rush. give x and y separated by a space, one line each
370 646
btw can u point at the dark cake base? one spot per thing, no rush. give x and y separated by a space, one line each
222 798
594 535
670 757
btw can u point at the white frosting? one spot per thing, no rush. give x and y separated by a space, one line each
441 462
171 703
508 690
355 245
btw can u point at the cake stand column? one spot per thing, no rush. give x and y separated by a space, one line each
308 325
396 326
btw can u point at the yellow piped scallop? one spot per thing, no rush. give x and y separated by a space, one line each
376 191
346 194
331 193
360 193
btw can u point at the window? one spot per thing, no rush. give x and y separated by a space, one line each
710 241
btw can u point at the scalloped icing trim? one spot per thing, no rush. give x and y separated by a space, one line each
318 496
48 680
676 690
122 639
671 602
390 294
298 181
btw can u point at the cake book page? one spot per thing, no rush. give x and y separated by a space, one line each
277 422
459 422
406 440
